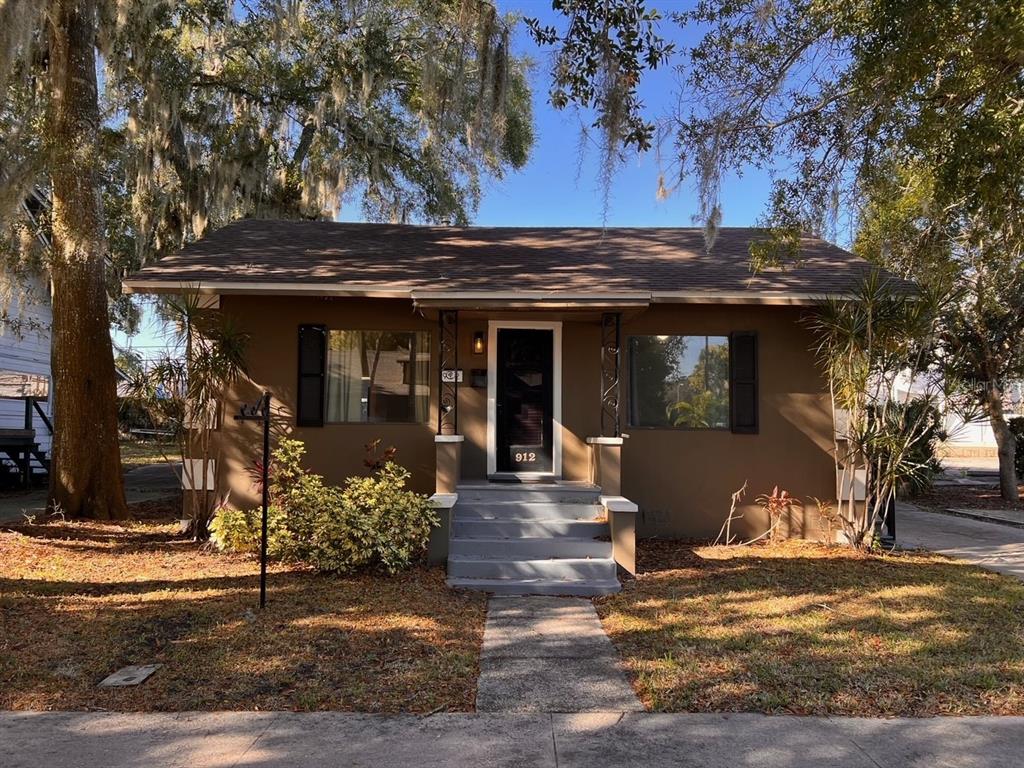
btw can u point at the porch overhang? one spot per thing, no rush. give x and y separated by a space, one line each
481 300
429 298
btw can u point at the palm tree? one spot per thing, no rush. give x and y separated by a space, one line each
184 389
864 343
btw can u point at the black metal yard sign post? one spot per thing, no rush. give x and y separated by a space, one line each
261 410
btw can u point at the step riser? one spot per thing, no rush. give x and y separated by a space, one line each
553 495
531 540
547 570
525 529
531 549
521 511
569 589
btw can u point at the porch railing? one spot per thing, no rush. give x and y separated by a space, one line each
448 372
611 361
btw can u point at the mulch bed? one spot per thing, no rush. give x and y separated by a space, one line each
808 629
79 600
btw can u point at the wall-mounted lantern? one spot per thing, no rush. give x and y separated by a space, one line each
479 343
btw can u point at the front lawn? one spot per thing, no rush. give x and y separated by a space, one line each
80 600
808 629
139 453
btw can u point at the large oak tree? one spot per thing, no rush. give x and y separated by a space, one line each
826 96
210 111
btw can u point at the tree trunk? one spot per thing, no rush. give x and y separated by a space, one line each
1005 442
85 475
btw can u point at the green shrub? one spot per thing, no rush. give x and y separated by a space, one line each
918 422
373 520
238 530
923 454
1017 428
393 522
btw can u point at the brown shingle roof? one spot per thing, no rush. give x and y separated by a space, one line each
563 260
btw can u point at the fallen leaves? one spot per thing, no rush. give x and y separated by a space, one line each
79 600
802 628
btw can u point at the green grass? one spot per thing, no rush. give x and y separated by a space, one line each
809 629
137 453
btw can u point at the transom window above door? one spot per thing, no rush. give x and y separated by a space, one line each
679 381
378 376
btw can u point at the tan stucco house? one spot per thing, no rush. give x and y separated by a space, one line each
554 386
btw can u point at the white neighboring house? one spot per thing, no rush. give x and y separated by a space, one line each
968 438
25 319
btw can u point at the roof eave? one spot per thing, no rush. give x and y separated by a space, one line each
258 288
782 298
481 299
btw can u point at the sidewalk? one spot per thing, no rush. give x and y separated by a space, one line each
549 654
328 740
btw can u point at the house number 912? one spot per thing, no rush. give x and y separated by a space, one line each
525 457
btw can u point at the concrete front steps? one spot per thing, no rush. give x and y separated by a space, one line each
531 540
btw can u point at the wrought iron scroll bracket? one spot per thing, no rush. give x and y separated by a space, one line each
611 358
447 372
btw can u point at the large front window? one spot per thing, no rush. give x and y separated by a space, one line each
679 381
375 376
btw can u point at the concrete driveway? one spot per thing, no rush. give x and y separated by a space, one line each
152 481
990 545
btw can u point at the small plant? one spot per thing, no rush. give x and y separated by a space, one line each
921 462
829 519
725 535
238 530
375 460
777 504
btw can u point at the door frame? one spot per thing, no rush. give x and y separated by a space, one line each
555 326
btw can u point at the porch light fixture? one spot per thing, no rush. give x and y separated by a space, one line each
479 344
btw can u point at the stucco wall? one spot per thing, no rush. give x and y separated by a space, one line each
682 479
334 450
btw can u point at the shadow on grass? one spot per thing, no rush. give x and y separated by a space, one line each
807 629
72 610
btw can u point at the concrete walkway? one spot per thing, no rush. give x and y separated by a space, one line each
549 654
609 740
990 545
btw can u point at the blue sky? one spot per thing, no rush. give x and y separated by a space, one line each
556 188
548 193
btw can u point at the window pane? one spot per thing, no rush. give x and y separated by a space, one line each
378 376
679 381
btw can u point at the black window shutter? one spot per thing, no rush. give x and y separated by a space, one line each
743 381
312 361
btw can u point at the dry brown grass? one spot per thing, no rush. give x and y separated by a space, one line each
80 600
809 629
